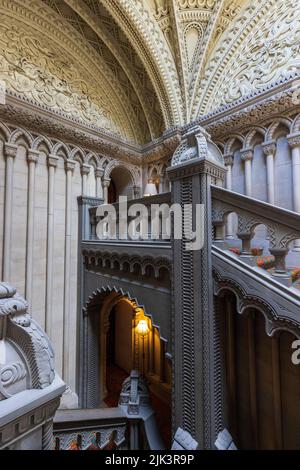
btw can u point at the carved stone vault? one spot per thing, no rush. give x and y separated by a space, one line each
137 67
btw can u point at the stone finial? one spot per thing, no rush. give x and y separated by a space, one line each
196 145
134 393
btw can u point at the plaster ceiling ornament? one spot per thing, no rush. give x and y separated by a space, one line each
264 51
133 68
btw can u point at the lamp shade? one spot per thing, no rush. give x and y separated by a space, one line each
142 328
150 189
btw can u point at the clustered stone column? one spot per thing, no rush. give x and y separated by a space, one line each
294 143
10 152
195 165
228 161
106 183
269 149
85 170
99 188
247 157
69 166
32 157
52 164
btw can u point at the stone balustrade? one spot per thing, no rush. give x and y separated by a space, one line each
162 200
283 227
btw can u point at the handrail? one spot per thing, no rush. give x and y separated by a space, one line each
259 208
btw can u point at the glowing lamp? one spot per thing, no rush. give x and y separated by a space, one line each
150 189
142 328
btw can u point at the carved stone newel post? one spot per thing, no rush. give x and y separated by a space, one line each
196 164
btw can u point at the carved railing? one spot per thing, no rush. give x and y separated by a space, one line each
130 426
283 227
100 429
147 202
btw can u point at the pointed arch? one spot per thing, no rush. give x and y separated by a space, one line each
61 149
228 146
271 131
42 140
78 155
19 134
249 141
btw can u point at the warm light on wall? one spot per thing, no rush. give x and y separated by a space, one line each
142 328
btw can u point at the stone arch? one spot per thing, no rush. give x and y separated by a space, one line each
95 323
271 131
152 169
93 160
113 164
62 149
78 155
295 127
19 134
244 301
229 145
42 140
249 141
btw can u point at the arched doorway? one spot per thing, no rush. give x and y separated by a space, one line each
262 385
121 184
114 347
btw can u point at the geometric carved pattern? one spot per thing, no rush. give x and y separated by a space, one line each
277 316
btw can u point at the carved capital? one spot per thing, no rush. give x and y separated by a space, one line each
228 159
33 156
246 154
106 182
294 140
70 165
52 160
10 150
269 148
99 172
85 169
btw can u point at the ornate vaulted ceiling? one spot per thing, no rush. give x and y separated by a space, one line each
138 67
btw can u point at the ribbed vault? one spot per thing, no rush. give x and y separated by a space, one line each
138 67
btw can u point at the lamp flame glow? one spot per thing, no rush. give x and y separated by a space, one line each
142 328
